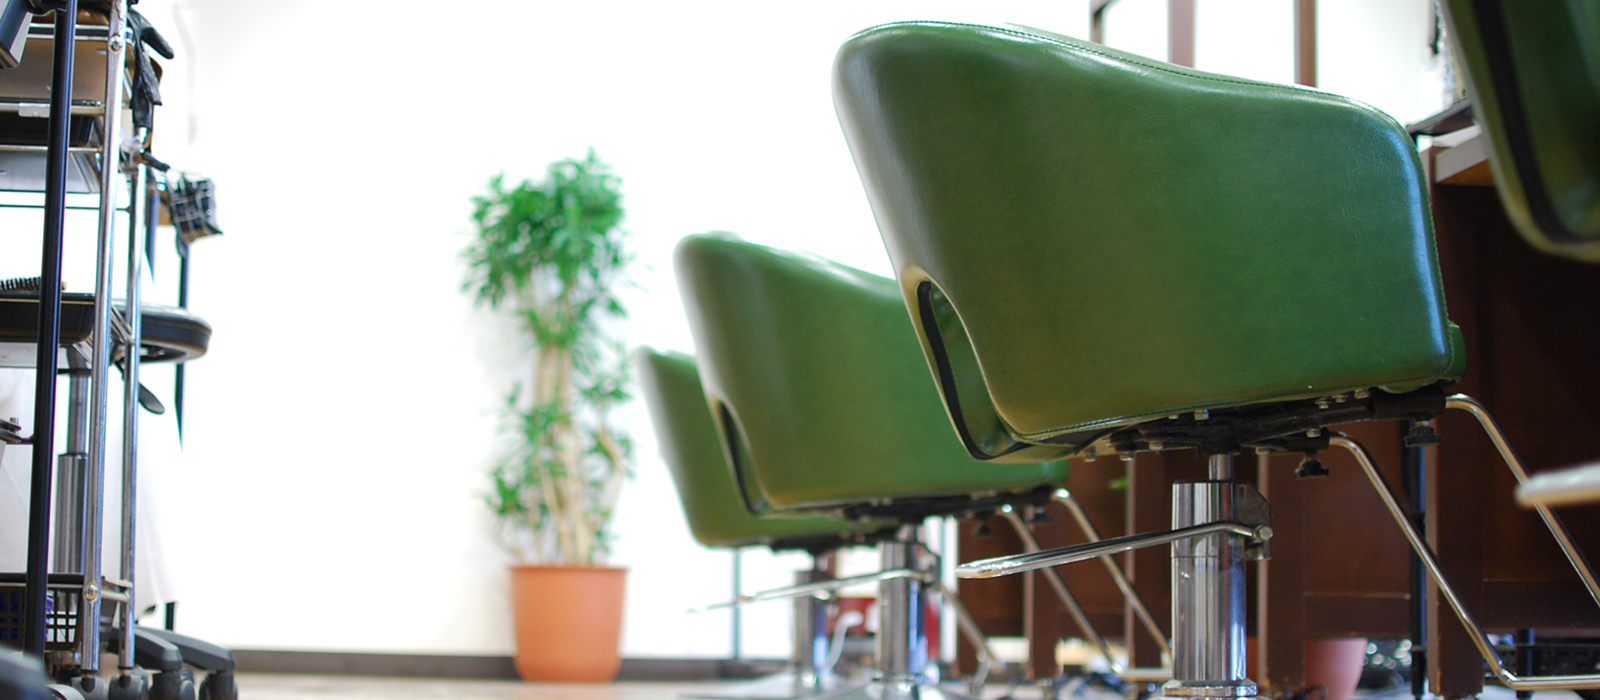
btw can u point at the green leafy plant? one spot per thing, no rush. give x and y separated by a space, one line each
551 254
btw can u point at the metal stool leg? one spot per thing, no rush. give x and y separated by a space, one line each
810 673
1068 601
1419 545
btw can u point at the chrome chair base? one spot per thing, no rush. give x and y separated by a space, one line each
787 685
900 690
1217 525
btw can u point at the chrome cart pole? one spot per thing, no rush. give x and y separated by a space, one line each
104 340
130 407
44 401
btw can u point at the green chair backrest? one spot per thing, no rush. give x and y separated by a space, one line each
1533 68
813 371
693 454
1088 239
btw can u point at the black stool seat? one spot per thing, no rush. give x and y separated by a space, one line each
170 334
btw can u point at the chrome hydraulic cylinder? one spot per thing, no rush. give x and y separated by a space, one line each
1208 586
810 656
902 636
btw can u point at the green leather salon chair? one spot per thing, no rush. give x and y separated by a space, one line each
1533 70
821 398
717 518
820 393
1103 252
693 453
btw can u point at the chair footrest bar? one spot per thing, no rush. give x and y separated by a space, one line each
1573 486
1146 675
817 587
1018 563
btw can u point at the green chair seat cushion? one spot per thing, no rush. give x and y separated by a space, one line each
824 398
693 453
1089 239
1533 67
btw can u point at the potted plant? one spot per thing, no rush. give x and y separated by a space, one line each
550 254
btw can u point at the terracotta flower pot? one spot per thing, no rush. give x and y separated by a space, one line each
1335 664
569 622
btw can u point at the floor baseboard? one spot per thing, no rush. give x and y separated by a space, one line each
482 667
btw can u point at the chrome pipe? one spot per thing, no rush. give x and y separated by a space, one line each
130 404
1466 403
815 588
1018 563
1074 610
902 633
1219 467
1436 572
1208 582
100 364
1075 509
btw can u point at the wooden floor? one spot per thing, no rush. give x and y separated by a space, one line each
261 686
288 687
291 687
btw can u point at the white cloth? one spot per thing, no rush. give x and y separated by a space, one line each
159 454
16 403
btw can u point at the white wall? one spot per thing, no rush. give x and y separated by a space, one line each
1372 50
1376 52
340 428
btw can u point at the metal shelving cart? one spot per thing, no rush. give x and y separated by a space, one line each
65 609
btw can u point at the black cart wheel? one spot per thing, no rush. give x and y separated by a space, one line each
173 685
129 686
218 685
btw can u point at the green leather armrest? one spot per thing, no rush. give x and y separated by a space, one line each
1533 67
813 369
693 454
1088 239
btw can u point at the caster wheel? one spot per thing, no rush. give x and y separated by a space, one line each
90 687
128 686
218 685
64 692
173 685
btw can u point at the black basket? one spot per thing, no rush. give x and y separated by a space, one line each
192 206
60 611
